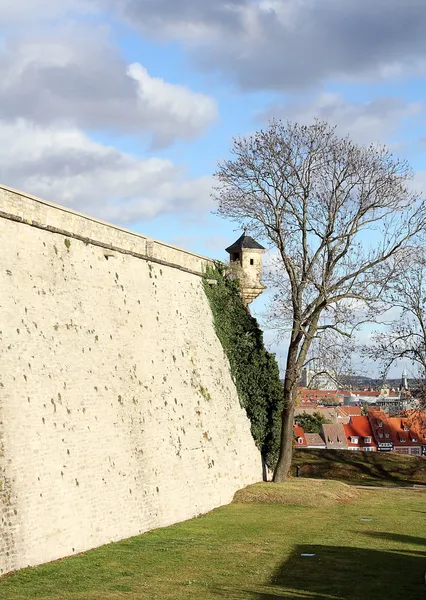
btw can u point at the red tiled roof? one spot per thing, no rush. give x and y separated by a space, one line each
379 422
350 411
402 433
359 428
300 436
311 398
416 420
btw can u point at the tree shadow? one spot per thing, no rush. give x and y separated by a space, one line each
330 464
396 537
340 573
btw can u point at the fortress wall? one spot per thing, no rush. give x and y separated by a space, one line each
118 413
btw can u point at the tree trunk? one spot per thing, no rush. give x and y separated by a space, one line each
286 448
286 445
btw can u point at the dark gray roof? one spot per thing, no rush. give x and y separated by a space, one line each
245 241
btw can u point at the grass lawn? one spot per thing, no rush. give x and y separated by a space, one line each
361 468
366 545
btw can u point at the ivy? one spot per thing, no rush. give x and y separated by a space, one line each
254 369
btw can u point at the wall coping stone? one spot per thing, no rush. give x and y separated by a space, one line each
55 216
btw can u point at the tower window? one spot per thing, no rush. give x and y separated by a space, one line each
251 261
235 256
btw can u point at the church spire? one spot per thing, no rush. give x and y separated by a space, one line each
404 381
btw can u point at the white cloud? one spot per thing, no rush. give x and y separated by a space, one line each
365 122
63 165
171 110
275 44
12 12
419 182
77 76
289 44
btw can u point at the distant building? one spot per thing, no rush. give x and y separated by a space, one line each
334 437
417 421
404 382
311 441
328 412
299 434
314 441
334 414
348 411
379 423
349 430
389 400
396 404
405 439
356 397
306 397
359 435
320 380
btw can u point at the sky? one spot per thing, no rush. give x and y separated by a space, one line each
121 109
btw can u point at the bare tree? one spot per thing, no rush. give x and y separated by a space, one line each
336 213
405 337
330 357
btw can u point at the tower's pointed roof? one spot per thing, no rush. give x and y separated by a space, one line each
245 241
404 382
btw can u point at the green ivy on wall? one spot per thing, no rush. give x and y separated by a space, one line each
254 369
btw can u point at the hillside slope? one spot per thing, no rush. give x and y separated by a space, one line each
369 468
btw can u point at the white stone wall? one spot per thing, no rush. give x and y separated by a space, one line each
118 413
252 272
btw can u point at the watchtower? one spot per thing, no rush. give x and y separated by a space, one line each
245 258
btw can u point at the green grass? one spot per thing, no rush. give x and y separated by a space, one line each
361 468
252 550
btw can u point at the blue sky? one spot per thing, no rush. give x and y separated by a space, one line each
122 108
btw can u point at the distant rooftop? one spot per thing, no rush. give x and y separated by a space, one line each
245 241
314 439
334 436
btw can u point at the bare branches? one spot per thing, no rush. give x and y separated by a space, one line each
329 358
313 195
340 216
406 336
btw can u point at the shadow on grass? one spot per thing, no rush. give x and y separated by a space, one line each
364 467
397 537
337 573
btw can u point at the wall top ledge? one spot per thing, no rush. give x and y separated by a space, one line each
33 211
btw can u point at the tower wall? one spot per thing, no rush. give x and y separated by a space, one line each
246 261
251 263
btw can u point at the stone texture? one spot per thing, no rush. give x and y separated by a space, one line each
118 413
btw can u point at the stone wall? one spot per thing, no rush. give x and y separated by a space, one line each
118 413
